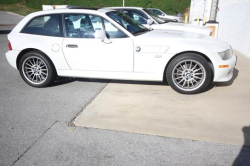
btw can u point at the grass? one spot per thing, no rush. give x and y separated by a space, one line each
17 8
24 7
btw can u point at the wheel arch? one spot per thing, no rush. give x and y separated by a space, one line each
194 52
23 52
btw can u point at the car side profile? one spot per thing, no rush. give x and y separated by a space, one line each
163 15
108 44
150 20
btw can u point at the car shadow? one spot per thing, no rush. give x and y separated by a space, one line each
243 158
66 80
224 84
63 80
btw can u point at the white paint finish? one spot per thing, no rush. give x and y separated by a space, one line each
112 75
119 60
95 55
209 46
55 47
223 74
233 24
153 49
11 57
21 41
183 27
150 63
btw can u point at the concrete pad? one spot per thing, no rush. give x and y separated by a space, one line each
218 115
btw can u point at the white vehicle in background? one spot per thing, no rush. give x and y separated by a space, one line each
161 14
150 20
108 44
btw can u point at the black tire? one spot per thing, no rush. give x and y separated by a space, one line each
42 68
182 74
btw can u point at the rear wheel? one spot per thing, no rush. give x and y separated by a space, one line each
189 73
36 69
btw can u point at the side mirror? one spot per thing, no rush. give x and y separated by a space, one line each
150 21
163 14
100 34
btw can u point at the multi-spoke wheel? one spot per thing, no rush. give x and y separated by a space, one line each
189 73
36 69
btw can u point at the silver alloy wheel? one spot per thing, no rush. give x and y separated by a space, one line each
35 70
188 75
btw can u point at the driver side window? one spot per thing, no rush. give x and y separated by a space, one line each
112 31
81 25
85 26
137 16
139 19
157 12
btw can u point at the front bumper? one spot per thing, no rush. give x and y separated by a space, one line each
224 74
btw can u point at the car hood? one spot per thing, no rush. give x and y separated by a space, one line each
178 41
184 27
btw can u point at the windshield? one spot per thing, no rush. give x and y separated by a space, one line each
155 17
127 23
157 12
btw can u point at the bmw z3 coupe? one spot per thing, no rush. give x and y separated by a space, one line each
108 44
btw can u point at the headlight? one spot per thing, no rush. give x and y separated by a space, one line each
226 54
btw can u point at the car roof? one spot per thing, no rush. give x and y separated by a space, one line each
139 8
71 10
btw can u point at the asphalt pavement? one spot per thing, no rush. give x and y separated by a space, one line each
8 20
34 130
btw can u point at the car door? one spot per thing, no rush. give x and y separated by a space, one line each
83 52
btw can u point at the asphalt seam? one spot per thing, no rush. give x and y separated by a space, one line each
34 143
72 122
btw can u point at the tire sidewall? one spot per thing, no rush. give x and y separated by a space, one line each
189 56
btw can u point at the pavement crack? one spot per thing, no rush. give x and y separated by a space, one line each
71 123
34 143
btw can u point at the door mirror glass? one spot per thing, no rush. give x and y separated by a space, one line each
150 21
100 34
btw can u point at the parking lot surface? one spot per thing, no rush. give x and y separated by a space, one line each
9 20
218 115
34 130
26 113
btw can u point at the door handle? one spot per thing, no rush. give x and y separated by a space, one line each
72 46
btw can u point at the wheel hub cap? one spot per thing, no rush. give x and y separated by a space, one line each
188 75
35 70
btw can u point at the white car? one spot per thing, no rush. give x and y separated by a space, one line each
150 20
108 44
161 14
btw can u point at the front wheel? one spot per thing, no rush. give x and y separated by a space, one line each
189 73
36 69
